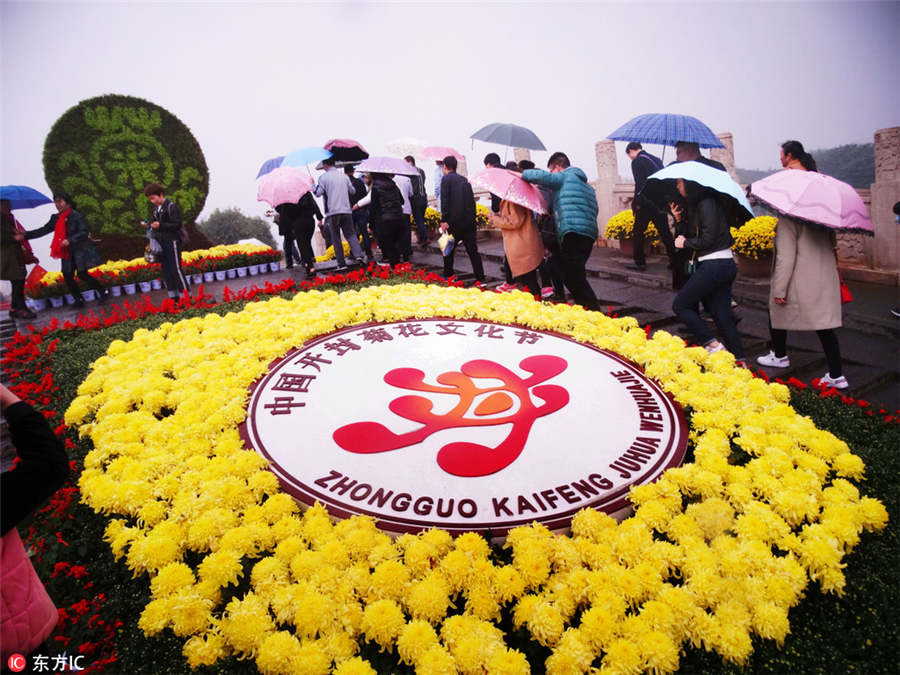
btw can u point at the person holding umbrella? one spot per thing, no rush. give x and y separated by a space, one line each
709 238
72 246
386 215
805 292
643 164
12 260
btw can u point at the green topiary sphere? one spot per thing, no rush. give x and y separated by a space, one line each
104 150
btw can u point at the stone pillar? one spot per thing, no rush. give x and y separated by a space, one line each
726 154
886 193
521 153
462 168
607 177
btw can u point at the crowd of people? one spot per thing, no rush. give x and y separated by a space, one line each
545 253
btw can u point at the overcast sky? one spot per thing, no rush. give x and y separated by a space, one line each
255 80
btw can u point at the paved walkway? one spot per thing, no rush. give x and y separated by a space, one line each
869 338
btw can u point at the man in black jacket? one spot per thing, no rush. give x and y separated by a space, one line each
690 152
360 215
458 216
418 202
643 164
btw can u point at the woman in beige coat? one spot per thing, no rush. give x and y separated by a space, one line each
522 244
805 294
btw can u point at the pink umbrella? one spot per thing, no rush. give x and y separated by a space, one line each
439 152
284 185
816 198
509 185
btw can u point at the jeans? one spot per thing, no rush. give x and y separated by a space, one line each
711 284
574 250
468 239
17 301
642 217
343 223
830 346
361 223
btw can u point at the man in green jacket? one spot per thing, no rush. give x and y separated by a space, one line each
575 211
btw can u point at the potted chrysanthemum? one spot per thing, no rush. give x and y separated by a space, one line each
754 243
621 228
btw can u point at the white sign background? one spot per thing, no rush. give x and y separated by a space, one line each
580 440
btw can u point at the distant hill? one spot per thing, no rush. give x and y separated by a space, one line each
853 164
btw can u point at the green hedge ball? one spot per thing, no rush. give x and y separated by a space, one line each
103 151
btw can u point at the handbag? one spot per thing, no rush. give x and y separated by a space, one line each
846 295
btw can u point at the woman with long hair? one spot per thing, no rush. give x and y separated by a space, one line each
805 291
709 240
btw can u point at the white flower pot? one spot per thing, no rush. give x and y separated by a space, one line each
274 266
57 301
208 276
37 304
197 278
156 284
116 291
130 289
241 271
89 295
220 275
231 273
253 269
70 299
145 286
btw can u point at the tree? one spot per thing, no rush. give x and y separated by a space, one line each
230 226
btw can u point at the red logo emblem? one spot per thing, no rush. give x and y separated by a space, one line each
464 458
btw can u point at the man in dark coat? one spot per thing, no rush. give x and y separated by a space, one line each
165 221
643 164
690 152
458 217
360 215
418 202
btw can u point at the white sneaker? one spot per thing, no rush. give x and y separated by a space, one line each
714 346
771 361
836 382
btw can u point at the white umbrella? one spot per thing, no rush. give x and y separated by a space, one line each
401 147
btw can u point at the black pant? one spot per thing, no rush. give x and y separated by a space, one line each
468 239
17 301
642 217
69 271
406 239
289 249
574 250
173 276
529 279
303 232
710 283
830 346
390 236
419 205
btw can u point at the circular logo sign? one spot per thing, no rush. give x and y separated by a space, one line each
463 425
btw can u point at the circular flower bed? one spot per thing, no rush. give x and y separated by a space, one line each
716 553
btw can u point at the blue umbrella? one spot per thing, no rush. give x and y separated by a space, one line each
510 135
23 197
660 184
270 165
305 156
666 129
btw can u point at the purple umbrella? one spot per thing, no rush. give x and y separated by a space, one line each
390 165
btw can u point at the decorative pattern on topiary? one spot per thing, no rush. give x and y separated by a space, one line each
104 150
